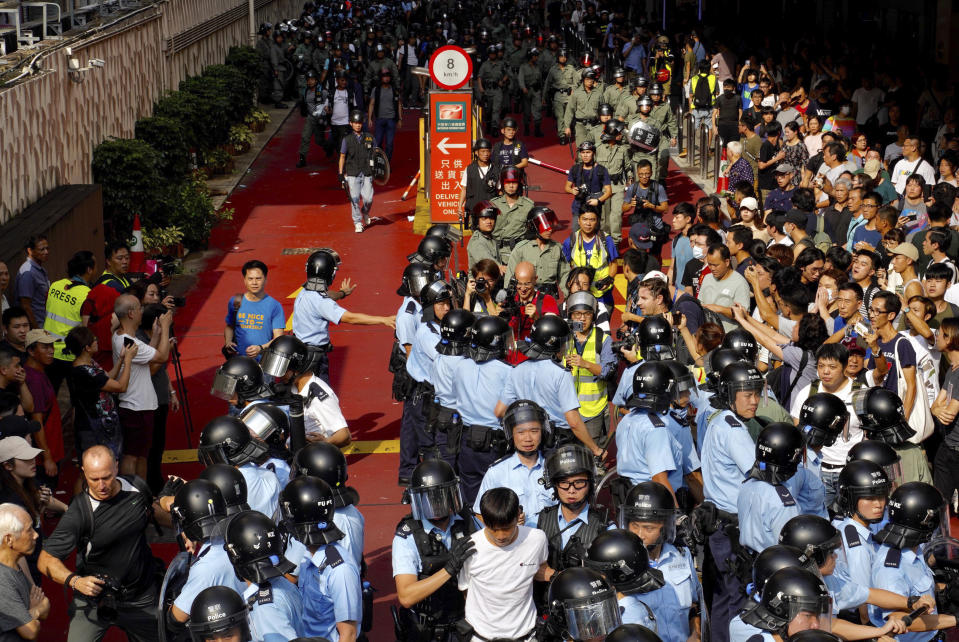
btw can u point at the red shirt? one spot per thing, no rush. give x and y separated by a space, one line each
99 306
522 325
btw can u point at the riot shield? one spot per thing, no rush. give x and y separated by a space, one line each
644 136
381 166
173 581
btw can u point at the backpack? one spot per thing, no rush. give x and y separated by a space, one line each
781 389
702 95
820 239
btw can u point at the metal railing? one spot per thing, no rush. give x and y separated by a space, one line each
717 156
704 151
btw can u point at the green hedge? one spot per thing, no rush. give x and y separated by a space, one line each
151 174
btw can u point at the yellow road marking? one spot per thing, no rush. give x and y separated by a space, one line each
372 447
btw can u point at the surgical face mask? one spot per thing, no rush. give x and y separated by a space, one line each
844 110
698 252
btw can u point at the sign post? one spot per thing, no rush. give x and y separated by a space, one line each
450 134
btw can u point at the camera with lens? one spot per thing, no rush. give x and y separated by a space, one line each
108 601
582 193
625 339
510 307
481 284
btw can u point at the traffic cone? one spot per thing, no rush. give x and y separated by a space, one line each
722 180
137 256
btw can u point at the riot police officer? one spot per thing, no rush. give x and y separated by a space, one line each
408 317
510 152
562 77
649 511
317 118
654 342
883 418
255 547
582 110
219 613
280 69
482 245
645 132
429 549
327 462
476 382
264 43
618 91
633 633
198 509
542 379
239 381
271 424
570 473
232 486
226 440
881 454
415 438
441 415
314 310
582 605
663 113
604 115
513 210
621 556
329 580
480 181
628 105
647 450
491 81
612 153
526 427
793 600
530 80
823 418
861 495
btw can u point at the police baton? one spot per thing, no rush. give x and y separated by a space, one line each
552 168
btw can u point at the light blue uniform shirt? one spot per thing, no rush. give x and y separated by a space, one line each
312 314
350 520
262 489
624 389
408 319
512 473
645 449
762 514
546 383
845 593
635 611
280 468
739 631
703 411
419 365
331 591
911 577
442 378
582 518
859 548
671 603
728 454
406 559
210 567
476 387
684 437
809 491
276 616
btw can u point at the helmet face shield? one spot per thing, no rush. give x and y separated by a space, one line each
436 502
592 620
646 523
261 424
895 475
805 614
544 222
224 386
275 364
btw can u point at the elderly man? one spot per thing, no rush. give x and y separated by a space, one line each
528 305
22 604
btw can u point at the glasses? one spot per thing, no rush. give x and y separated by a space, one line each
570 484
876 312
525 284
869 206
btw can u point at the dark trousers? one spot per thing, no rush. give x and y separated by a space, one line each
384 132
137 618
312 130
157 445
414 437
473 464
728 593
945 471
337 132
57 372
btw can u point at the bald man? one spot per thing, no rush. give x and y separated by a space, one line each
527 305
139 401
22 605
106 525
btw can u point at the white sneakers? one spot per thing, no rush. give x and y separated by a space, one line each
358 228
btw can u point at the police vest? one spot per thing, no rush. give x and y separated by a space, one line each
598 260
359 154
590 388
64 301
561 557
447 603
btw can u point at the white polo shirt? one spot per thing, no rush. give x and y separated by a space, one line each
321 416
499 584
835 455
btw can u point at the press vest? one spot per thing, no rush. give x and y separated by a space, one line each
590 388
64 301
561 557
358 154
598 260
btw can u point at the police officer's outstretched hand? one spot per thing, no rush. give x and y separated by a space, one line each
461 550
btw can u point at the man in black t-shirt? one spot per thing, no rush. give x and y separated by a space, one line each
106 524
727 110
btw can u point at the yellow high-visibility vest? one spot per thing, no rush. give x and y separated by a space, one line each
591 389
64 300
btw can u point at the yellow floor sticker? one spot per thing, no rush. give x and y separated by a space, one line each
373 447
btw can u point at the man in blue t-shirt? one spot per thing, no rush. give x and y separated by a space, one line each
892 351
258 319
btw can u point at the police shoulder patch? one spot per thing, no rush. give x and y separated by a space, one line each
263 596
852 536
732 421
404 529
333 557
784 495
893 558
411 308
317 392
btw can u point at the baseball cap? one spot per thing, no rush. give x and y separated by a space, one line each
871 168
656 274
749 203
640 235
906 249
39 336
784 168
796 217
854 345
17 426
17 448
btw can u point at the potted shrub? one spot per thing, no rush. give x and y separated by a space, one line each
241 139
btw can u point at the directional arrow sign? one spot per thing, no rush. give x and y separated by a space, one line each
445 144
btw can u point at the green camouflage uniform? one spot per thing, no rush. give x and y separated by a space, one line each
563 80
510 224
583 108
615 158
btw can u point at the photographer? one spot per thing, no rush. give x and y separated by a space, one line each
539 248
645 201
115 581
524 305
588 182
482 288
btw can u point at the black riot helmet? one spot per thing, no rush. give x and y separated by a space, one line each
612 130
882 416
415 276
562 52
436 292
650 502
522 412
356 116
772 559
490 337
861 479
812 635
582 604
217 611
621 556
239 377
683 379
779 449
434 490
548 337
285 353
226 440
644 102
656 89
198 507
434 248
738 377
656 339
443 231
306 510
639 81
619 72
590 73
652 387
232 486
321 269
267 422
324 460
879 453
632 633
532 53
823 417
813 535
509 121
790 592
605 109
255 547
917 511
482 143
742 341
455 332
719 359
566 461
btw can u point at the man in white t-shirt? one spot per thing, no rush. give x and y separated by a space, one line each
139 401
831 360
321 411
498 579
911 163
867 99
